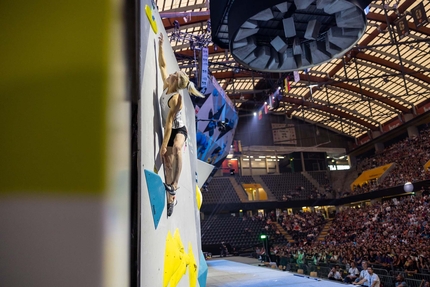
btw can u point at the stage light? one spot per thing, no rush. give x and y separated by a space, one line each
255 114
263 236
408 187
208 26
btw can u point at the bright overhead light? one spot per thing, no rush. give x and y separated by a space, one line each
262 156
280 156
257 159
247 159
255 114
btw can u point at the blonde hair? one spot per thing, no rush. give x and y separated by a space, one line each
185 83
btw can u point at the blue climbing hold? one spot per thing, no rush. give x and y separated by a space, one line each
157 195
203 270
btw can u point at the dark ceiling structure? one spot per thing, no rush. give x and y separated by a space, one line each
380 79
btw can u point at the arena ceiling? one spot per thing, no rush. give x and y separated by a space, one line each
379 80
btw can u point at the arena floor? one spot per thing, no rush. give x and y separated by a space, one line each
245 272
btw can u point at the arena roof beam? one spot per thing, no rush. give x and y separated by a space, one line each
300 102
345 121
381 18
354 89
393 66
168 22
338 107
321 81
342 114
402 8
349 92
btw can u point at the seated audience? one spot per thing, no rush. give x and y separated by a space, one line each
372 279
335 273
400 281
352 273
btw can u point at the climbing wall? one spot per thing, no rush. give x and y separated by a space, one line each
170 247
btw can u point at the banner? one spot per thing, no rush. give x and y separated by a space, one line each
216 121
287 85
419 15
284 134
423 109
427 166
296 76
402 27
391 125
370 174
204 68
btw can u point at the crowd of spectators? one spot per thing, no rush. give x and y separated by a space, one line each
270 227
314 193
394 235
302 226
409 155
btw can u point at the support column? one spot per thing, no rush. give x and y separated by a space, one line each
257 193
412 130
241 164
276 163
379 146
303 161
250 165
352 160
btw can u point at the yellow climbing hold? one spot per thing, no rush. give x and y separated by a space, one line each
199 197
192 266
176 261
151 18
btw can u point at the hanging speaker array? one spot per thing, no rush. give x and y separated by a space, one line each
279 36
